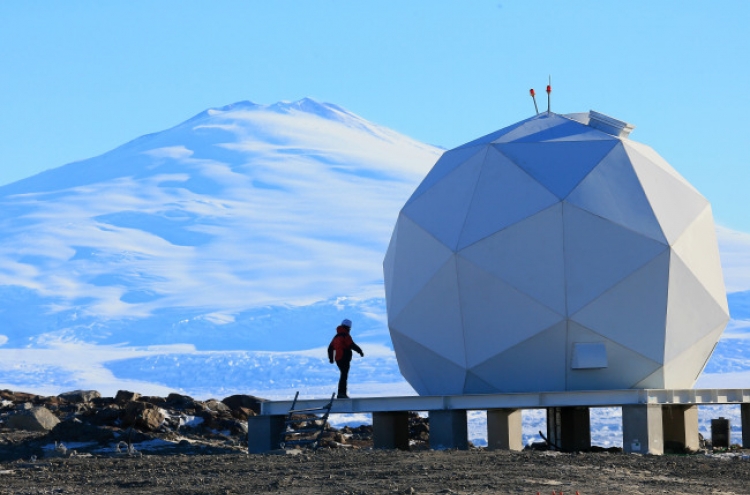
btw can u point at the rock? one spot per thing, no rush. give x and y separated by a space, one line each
80 396
215 405
143 415
105 416
76 431
35 419
124 396
235 402
181 401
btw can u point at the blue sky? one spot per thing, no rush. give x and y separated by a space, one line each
79 78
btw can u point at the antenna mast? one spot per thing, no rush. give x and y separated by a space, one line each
533 97
549 90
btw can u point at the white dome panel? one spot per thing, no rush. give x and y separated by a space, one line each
696 248
625 367
415 267
612 191
534 364
433 317
444 378
691 313
495 315
683 370
528 256
557 166
675 204
504 195
598 254
633 313
447 163
442 209
563 129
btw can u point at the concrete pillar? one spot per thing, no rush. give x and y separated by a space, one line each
504 429
569 428
390 430
264 433
642 429
680 425
448 430
745 412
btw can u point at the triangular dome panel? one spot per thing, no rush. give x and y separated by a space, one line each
444 377
559 129
447 163
558 166
504 195
652 156
433 317
654 380
416 256
674 203
612 191
535 365
625 367
406 365
683 371
442 209
598 254
493 136
633 313
692 311
698 248
528 256
389 263
495 315
475 385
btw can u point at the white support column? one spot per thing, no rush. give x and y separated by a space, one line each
504 429
642 431
680 424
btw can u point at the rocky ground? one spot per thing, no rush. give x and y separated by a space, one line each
81 442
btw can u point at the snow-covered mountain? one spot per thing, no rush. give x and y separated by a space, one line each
247 228
217 257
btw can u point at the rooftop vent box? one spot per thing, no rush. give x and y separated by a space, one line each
610 125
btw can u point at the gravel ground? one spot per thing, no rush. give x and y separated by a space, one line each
366 471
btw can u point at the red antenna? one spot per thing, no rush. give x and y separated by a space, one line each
549 90
533 97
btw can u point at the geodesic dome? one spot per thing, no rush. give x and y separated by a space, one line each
555 254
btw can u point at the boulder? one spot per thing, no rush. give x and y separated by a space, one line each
80 396
235 402
215 405
143 415
181 401
124 396
34 419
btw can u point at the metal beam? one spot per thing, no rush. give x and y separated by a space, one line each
536 400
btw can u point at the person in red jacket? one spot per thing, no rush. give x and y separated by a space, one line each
340 350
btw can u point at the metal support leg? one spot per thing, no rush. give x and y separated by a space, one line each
263 433
390 430
448 430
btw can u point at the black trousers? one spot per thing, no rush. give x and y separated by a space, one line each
343 377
